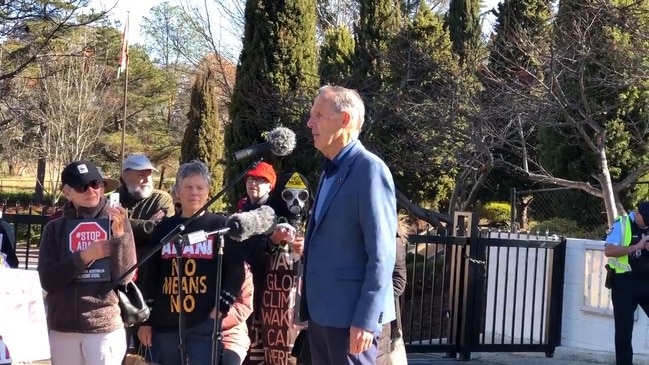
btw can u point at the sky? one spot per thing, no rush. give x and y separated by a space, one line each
137 9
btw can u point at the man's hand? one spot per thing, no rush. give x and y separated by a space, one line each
95 251
118 216
144 334
642 244
298 245
158 216
359 340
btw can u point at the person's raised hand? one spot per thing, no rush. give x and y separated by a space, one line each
298 245
118 218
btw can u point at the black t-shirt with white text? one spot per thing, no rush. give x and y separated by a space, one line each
199 269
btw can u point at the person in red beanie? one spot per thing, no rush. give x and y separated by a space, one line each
259 183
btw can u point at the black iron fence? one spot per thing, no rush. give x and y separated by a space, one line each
483 291
27 221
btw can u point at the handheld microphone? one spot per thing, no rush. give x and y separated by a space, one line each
280 141
239 226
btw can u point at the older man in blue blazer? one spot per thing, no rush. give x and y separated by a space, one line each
350 250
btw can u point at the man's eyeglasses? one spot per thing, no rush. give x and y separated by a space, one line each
95 185
289 195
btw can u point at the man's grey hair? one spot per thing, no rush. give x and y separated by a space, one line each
193 168
349 101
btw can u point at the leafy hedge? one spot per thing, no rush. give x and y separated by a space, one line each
495 212
566 228
11 197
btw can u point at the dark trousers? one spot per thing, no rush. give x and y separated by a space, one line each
330 346
627 293
198 346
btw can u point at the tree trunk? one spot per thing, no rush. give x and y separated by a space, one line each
607 185
162 177
40 180
456 196
522 212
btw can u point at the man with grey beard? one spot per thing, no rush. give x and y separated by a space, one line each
145 207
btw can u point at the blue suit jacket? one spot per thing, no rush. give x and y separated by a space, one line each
350 250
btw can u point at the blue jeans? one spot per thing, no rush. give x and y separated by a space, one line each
198 345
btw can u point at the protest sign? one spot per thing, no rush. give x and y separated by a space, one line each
22 317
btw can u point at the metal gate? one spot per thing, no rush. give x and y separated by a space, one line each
477 290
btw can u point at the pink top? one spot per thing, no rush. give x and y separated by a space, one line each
235 330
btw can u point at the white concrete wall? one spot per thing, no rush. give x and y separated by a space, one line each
587 311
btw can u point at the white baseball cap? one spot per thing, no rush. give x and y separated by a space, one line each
138 162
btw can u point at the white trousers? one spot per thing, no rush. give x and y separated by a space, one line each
88 348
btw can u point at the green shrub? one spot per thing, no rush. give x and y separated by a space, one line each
11 197
433 266
558 226
32 233
567 228
495 212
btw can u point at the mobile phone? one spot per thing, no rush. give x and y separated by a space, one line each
113 200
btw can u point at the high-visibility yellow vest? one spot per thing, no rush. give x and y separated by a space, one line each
621 264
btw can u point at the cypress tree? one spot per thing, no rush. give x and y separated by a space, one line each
379 21
415 140
464 25
516 57
336 55
276 82
203 138
522 35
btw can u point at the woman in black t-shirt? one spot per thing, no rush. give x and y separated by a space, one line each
199 270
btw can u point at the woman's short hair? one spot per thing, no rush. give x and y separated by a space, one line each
192 168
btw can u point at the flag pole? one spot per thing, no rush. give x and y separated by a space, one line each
125 55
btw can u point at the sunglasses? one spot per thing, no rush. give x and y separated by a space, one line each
94 184
289 195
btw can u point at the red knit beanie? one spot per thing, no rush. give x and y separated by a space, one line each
266 171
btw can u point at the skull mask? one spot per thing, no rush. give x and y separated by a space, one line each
295 199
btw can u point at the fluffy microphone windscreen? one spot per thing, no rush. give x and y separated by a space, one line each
282 140
247 224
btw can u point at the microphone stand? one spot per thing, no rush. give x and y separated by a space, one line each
175 237
217 336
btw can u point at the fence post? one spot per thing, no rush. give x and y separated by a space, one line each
466 310
457 278
555 312
474 282
512 211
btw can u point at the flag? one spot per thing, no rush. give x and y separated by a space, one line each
123 54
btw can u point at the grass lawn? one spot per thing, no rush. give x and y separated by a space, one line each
20 182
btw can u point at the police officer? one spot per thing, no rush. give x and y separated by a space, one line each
628 265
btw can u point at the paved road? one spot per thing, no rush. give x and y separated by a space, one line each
489 359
